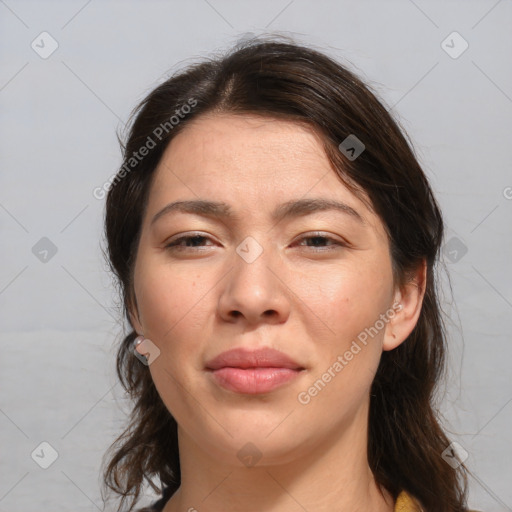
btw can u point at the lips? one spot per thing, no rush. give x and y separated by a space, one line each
253 371
260 358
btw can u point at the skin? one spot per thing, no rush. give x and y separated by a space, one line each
309 300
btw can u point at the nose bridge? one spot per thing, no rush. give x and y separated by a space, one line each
253 263
253 288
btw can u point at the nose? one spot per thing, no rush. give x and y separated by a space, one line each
255 290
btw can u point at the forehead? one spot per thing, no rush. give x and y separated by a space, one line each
248 146
223 151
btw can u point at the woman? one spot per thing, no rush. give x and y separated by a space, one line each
276 244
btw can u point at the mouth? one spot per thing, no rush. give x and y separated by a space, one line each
253 372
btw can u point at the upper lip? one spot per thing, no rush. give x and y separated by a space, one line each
257 358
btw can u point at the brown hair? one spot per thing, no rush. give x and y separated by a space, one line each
275 78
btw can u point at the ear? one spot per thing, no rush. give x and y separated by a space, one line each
410 297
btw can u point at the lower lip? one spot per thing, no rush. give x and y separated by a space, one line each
253 380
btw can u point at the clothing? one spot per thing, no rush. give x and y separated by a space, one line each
404 503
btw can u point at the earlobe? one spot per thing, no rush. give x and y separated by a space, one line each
410 297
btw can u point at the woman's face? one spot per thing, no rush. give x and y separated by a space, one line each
314 284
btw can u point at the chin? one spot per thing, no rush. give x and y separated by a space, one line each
244 438
251 450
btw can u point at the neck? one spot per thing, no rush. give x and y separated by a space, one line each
333 476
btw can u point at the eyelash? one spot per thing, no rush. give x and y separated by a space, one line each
336 243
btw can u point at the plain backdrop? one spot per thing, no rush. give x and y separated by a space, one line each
59 315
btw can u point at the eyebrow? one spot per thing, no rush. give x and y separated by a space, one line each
289 209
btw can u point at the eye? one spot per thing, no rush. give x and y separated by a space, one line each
320 238
191 242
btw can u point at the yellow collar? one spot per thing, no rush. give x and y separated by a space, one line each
405 503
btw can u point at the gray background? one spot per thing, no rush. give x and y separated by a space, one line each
59 316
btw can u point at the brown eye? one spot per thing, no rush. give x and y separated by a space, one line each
320 239
191 242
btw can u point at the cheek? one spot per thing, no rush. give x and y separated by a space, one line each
173 306
349 299
177 313
349 302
